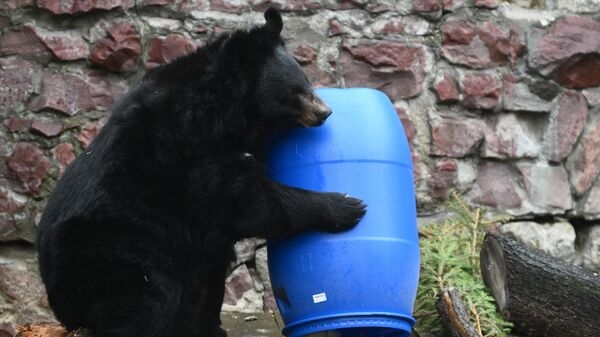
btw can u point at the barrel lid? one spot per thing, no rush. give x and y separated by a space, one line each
364 126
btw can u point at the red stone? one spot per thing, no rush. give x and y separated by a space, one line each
9 204
318 77
16 82
63 154
229 6
445 87
46 128
393 26
305 54
456 138
4 22
579 71
398 69
167 49
591 205
481 90
451 5
296 5
496 187
89 132
335 28
482 45
157 2
443 178
566 123
410 129
583 163
179 6
569 50
14 4
377 8
82 6
65 46
119 50
30 165
20 285
486 3
70 94
24 42
17 124
427 5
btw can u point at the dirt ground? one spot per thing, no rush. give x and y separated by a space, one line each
252 325
236 325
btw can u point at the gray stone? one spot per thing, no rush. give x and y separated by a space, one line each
246 249
262 270
547 187
519 97
590 207
508 137
592 95
22 295
556 239
467 174
527 15
589 239
240 292
579 6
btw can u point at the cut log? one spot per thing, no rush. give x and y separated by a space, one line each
455 314
542 295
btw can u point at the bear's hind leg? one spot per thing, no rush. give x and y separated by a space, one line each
147 311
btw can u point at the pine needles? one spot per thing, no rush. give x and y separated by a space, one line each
450 258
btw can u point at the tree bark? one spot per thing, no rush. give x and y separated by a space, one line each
455 314
542 295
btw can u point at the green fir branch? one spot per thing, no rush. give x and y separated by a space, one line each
450 258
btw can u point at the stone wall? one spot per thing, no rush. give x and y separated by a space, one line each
500 100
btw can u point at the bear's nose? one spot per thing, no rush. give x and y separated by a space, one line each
322 111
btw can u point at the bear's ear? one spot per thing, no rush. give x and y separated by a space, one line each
274 23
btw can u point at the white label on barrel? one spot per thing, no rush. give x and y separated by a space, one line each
318 298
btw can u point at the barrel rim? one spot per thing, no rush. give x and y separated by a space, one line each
350 320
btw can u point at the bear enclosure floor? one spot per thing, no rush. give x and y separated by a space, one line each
236 325
252 324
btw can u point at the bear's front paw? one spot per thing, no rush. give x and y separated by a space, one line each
343 213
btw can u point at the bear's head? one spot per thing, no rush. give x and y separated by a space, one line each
228 93
284 94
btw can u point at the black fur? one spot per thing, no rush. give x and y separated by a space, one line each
137 236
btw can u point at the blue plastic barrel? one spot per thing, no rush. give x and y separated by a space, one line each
360 283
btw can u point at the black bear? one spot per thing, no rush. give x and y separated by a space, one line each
137 237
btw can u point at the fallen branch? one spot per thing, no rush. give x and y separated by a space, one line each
455 314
